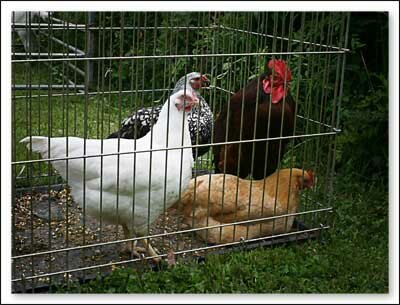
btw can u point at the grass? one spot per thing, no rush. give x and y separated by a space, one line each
351 258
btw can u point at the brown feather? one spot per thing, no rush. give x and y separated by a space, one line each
269 117
227 198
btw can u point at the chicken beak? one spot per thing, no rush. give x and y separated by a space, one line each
186 102
204 81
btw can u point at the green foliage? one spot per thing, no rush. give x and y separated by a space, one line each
364 144
363 147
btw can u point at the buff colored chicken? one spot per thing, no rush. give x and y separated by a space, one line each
201 200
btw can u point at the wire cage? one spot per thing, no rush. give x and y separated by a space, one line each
80 74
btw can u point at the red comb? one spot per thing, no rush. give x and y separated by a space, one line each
280 69
311 175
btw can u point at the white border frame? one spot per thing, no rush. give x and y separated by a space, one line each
391 6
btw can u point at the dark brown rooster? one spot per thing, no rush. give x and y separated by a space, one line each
274 100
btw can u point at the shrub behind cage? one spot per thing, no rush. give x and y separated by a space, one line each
83 73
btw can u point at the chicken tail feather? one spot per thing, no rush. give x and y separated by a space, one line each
39 144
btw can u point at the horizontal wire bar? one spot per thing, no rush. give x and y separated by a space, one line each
222 89
175 148
91 93
284 38
45 87
320 123
322 227
250 221
74 56
41 26
174 56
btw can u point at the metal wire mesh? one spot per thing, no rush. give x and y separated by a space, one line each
80 74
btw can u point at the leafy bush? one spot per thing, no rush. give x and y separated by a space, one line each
363 146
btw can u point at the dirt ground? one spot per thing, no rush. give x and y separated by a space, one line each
36 230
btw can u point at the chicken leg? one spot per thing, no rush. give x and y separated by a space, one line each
137 250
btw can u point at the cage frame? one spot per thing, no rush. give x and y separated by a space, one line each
332 131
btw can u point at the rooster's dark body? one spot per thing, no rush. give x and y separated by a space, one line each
269 116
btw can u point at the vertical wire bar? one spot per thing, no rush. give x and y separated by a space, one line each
135 127
49 120
13 150
200 22
85 132
40 165
283 34
329 40
285 87
200 69
146 17
66 149
231 81
260 47
29 132
308 90
103 53
64 50
249 43
174 50
75 73
225 151
214 63
299 63
264 42
119 116
134 106
324 94
99 133
344 32
244 68
166 32
110 75
324 102
280 141
196 141
346 19
310 96
320 115
274 42
151 130
133 61
182 136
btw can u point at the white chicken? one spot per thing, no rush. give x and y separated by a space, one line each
133 193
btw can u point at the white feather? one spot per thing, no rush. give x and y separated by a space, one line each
94 180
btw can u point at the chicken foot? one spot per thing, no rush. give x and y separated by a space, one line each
135 250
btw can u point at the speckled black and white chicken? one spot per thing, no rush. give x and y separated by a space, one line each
200 119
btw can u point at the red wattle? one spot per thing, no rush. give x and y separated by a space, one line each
277 92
